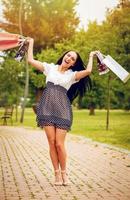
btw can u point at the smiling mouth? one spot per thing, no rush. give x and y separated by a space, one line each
66 62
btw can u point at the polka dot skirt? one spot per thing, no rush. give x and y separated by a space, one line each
54 108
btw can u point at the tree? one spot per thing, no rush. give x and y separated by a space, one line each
119 20
11 82
47 21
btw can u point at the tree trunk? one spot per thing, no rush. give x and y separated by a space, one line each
91 110
25 92
108 103
39 92
79 102
16 108
27 70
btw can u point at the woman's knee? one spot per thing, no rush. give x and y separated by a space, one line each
60 139
51 135
59 146
52 143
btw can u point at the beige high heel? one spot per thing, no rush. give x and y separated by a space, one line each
58 179
65 178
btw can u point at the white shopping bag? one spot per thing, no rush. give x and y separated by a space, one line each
116 68
103 69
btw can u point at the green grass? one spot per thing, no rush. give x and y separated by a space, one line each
93 127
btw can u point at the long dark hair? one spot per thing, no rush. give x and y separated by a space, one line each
85 84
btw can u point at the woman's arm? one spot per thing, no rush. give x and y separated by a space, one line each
88 70
37 64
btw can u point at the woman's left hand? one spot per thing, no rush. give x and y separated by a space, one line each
93 53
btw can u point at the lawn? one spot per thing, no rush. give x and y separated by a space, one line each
93 127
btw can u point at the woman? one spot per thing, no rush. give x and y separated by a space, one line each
64 81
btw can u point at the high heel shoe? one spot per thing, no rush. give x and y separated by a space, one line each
65 178
58 180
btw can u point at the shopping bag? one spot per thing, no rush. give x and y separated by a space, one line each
8 40
21 51
102 68
116 68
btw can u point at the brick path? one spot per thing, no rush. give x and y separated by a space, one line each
96 171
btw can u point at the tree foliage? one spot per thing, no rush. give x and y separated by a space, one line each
11 82
47 21
54 29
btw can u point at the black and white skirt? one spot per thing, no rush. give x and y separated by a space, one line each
54 108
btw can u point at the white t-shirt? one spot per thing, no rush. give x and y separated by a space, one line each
65 79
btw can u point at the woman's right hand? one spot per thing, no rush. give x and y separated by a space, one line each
29 39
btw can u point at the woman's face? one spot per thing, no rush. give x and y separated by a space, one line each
69 59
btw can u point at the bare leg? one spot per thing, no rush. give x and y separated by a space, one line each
60 145
51 136
60 140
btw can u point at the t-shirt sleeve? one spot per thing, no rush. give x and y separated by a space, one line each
47 68
72 77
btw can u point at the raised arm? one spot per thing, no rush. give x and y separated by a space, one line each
37 64
88 70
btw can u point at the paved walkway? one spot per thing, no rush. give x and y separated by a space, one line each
96 171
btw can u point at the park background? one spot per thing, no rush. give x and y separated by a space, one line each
102 114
